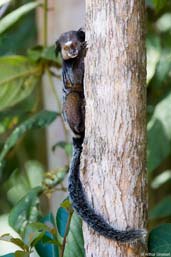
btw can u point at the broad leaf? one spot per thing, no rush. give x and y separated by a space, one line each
35 173
34 54
163 68
15 15
153 54
159 242
20 35
33 233
16 241
18 77
49 54
157 150
161 179
39 120
44 247
26 211
45 54
159 127
163 23
74 243
159 4
17 185
61 220
20 183
162 209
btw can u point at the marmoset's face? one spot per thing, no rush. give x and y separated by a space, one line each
70 44
70 49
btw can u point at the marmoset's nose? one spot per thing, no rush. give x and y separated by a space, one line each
74 51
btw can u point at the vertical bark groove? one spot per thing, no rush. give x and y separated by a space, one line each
114 154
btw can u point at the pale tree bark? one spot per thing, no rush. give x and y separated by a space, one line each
114 154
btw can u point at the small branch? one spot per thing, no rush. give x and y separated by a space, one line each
66 233
57 101
53 90
45 21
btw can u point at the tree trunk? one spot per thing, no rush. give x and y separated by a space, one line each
114 154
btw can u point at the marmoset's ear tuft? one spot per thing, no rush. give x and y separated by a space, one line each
57 47
81 35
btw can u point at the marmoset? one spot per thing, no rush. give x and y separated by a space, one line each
72 47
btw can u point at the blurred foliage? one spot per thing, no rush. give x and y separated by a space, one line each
159 124
22 168
24 177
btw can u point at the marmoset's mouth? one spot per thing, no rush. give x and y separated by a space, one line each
72 55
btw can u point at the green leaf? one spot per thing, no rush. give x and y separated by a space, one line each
20 183
157 150
14 16
18 77
26 211
33 233
17 186
23 34
44 247
67 205
162 209
74 243
49 54
16 241
35 173
34 54
159 127
153 54
163 68
46 54
39 120
160 240
21 254
61 220
163 23
66 146
159 4
161 179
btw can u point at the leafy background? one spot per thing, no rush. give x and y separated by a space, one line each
26 183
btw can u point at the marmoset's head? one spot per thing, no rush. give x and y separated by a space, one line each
70 43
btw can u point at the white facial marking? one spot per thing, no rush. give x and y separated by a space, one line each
68 43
